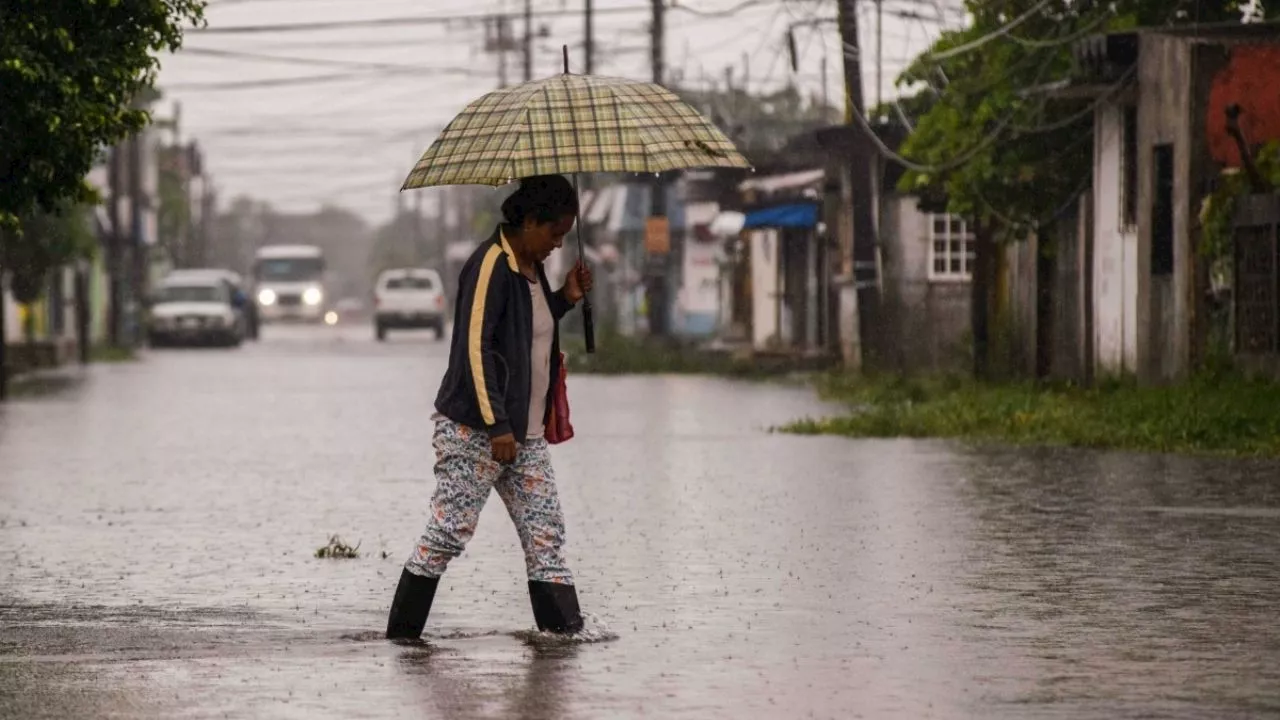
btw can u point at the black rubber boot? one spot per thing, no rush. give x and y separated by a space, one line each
555 607
412 604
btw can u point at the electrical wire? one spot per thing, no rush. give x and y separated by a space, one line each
457 18
727 12
269 83
994 34
395 21
957 161
320 62
1084 32
1087 111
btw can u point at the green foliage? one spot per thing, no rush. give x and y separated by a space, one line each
337 549
69 72
41 242
1212 414
1217 213
109 354
1001 146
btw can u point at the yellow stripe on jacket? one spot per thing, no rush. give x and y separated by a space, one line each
476 330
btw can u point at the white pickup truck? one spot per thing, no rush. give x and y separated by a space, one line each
408 298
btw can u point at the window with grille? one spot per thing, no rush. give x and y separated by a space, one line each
951 248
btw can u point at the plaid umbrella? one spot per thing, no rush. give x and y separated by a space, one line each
572 124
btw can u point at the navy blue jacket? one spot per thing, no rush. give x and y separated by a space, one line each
488 382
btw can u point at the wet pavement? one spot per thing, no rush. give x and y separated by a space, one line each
158 522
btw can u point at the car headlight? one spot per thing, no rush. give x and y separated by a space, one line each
267 296
312 296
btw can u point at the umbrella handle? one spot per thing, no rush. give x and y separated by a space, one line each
588 325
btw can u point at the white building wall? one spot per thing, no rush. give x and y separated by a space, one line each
12 326
1115 271
764 286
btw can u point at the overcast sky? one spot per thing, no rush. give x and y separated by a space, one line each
375 96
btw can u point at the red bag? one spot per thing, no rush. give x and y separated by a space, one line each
559 429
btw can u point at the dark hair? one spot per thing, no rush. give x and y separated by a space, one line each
542 198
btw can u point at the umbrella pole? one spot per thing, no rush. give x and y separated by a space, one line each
588 321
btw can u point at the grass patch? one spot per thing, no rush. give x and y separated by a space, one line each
620 355
109 354
1226 415
337 549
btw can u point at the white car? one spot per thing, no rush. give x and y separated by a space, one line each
194 309
242 299
409 298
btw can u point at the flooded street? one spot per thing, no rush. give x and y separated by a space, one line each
158 522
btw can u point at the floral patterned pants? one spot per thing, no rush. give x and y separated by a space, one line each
465 472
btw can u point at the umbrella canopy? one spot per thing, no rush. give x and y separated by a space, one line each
572 124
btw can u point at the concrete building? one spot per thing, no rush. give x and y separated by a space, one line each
1160 144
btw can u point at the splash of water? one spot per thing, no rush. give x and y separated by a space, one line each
594 630
460 634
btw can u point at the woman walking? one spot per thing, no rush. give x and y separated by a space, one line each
493 406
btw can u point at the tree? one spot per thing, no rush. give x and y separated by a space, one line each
994 141
69 73
42 241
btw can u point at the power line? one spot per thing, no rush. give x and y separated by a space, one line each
388 21
988 37
727 12
320 62
421 43
270 83
1105 96
1089 29
459 18
955 162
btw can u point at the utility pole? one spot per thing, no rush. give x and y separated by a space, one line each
497 40
858 175
588 38
528 40
4 336
879 52
420 251
138 245
826 99
659 261
115 247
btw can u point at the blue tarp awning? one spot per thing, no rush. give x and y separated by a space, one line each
791 215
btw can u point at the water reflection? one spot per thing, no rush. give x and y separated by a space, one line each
503 679
1081 573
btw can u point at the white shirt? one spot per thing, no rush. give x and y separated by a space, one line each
544 328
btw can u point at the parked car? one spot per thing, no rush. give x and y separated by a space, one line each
407 298
241 294
194 309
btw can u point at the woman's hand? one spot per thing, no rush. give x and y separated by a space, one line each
577 283
504 448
